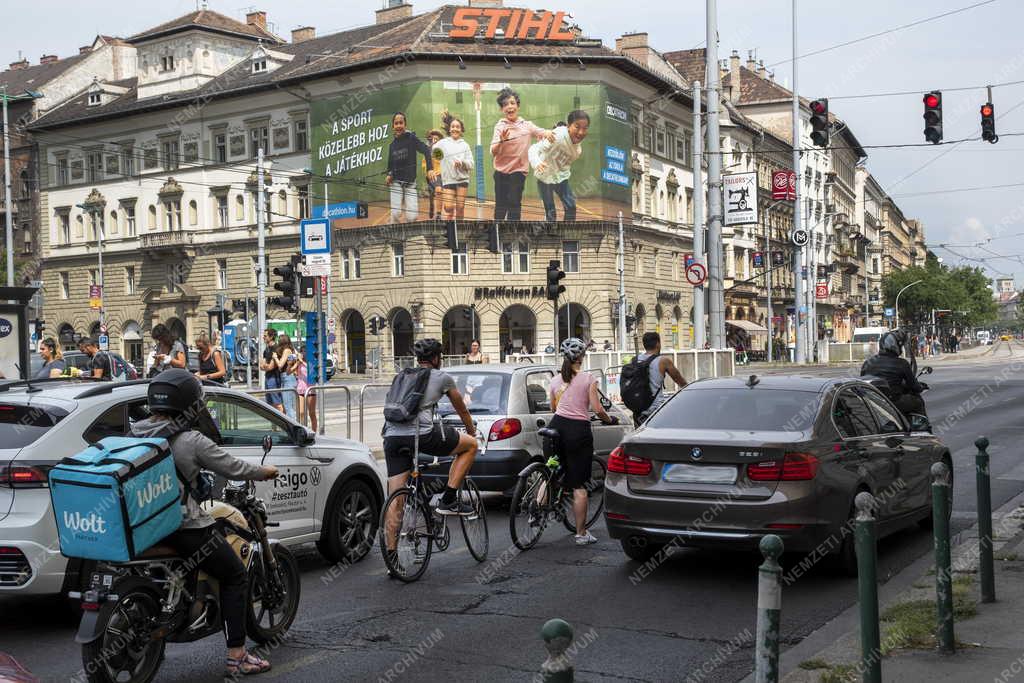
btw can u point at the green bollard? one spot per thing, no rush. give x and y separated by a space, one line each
943 562
986 570
769 611
558 636
867 588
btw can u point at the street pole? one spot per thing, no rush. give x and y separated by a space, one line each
330 276
261 267
716 319
768 265
622 286
7 195
699 328
322 361
897 306
98 223
798 285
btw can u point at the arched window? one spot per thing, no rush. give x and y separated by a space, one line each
193 213
151 219
113 223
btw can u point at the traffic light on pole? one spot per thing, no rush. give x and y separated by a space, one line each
373 325
630 322
933 117
314 345
819 122
289 285
555 276
988 123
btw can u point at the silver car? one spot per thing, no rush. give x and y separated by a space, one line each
510 403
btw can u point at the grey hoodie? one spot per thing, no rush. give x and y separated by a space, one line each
193 451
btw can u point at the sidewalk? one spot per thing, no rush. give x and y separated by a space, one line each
990 642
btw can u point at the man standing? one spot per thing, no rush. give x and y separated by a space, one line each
100 362
658 368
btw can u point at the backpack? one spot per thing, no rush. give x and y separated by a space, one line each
402 403
635 384
122 369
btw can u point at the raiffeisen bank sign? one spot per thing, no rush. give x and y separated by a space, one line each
510 24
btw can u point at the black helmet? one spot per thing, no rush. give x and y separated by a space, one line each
174 392
890 344
425 349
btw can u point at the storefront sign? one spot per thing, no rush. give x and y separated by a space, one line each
821 290
508 292
665 295
783 185
740 198
758 259
95 297
514 24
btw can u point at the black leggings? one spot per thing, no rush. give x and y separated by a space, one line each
576 450
208 550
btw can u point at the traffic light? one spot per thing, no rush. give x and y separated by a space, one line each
988 123
933 117
493 239
630 322
289 285
819 122
555 275
373 326
314 345
40 328
451 236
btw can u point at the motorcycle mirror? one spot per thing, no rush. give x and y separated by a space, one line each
268 443
928 370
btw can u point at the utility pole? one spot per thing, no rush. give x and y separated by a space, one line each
699 328
261 267
798 285
97 221
811 282
7 196
622 286
768 265
716 319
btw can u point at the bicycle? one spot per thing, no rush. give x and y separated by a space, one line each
419 527
540 496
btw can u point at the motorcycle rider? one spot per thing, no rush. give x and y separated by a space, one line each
175 400
904 388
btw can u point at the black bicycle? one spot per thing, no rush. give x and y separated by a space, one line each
540 496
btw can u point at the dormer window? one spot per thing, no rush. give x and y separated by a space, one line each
94 99
259 65
167 63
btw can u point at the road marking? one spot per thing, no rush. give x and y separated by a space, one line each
1016 474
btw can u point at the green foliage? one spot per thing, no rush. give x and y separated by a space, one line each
962 290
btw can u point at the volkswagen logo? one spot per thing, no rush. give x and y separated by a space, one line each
696 453
315 476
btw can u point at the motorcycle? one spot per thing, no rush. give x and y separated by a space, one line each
132 609
918 422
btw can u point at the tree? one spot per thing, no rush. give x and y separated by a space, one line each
962 290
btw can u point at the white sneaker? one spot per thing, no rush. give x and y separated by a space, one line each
585 539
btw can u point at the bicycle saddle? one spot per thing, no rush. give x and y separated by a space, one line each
548 433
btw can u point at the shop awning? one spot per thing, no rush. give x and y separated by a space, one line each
747 326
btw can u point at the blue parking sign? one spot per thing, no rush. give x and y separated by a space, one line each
890 313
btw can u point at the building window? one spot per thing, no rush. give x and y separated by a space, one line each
27 236
357 270
222 210
571 256
79 227
460 260
94 162
398 260
175 277
301 135
65 286
94 276
129 280
259 138
167 63
62 171
346 265
255 206
169 153
128 160
220 147
64 219
94 99
303 192
648 137
222 273
660 138
259 66
515 257
172 215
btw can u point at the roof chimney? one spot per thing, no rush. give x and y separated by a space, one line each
486 3
48 59
256 19
761 69
734 76
394 10
734 61
751 62
85 49
23 64
303 34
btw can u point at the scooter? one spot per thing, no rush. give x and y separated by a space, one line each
918 422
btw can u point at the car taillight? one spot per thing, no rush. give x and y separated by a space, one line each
622 463
23 476
793 467
505 428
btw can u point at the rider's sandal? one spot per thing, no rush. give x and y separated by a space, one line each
246 666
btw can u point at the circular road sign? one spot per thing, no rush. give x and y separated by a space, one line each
696 274
800 237
103 329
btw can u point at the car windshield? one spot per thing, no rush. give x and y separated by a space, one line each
21 425
869 337
485 393
738 409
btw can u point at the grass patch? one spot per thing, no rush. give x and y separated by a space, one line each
912 624
812 664
840 673
1006 557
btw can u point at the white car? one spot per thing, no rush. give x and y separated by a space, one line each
330 491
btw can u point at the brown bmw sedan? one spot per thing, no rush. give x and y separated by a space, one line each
728 460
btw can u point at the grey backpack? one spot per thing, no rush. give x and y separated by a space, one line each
403 400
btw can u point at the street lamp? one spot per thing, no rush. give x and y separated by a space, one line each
27 95
917 282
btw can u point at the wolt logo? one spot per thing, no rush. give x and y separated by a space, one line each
92 524
153 491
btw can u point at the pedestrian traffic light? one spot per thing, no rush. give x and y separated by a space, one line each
373 326
933 117
555 275
451 236
988 123
289 285
819 122
630 322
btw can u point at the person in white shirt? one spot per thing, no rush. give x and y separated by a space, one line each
551 162
456 165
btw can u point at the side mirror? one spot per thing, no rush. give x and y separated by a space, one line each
920 423
304 436
605 403
928 370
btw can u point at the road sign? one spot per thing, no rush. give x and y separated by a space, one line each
821 290
331 324
688 260
315 236
890 312
95 297
696 274
314 271
104 342
800 237
318 259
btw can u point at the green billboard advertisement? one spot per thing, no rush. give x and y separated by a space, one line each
475 151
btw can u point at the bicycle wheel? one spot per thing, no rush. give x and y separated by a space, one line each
474 526
409 533
595 498
528 511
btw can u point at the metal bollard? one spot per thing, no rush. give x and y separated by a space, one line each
943 562
769 611
558 636
986 570
867 587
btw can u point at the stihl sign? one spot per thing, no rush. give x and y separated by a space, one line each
514 24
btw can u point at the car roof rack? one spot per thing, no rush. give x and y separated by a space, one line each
17 383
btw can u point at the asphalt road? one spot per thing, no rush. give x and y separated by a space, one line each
480 622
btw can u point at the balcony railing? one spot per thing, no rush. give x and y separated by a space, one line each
174 241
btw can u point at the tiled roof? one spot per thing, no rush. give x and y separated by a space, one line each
206 19
20 80
689 63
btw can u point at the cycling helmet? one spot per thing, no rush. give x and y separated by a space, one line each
175 392
890 343
425 349
573 349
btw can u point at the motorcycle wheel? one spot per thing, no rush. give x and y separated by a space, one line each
271 609
124 653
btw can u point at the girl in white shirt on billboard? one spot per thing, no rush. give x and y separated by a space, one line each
456 165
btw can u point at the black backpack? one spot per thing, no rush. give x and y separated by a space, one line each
635 384
403 400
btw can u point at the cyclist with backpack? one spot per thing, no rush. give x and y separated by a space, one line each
642 383
408 412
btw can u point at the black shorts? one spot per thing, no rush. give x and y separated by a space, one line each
452 186
575 450
441 441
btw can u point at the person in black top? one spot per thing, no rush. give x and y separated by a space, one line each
402 169
904 389
273 372
100 362
211 360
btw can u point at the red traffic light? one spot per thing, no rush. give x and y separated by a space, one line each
986 110
931 100
818 106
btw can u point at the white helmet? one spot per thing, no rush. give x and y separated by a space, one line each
573 349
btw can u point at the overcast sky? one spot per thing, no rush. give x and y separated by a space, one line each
975 47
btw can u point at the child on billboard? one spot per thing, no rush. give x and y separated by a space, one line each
510 147
433 171
552 161
402 169
456 165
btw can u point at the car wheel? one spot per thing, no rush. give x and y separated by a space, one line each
350 526
640 549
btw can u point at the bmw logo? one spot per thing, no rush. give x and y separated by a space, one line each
696 453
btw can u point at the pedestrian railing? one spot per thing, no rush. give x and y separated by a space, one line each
323 389
362 405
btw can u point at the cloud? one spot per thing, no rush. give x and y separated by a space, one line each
971 231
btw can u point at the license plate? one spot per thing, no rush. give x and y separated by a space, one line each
684 473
